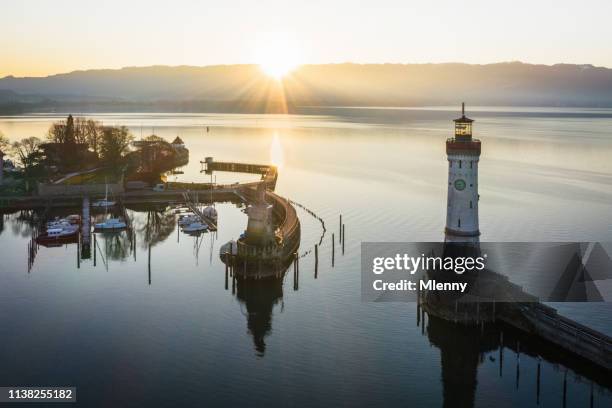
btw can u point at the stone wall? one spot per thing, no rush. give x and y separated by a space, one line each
78 189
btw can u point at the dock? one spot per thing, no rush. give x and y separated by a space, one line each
193 206
268 173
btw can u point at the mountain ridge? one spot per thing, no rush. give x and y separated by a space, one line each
244 87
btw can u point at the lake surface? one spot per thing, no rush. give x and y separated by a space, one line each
177 336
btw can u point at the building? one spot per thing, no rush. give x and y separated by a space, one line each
463 154
178 143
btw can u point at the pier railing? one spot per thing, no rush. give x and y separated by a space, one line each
566 333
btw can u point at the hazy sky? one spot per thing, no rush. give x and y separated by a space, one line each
45 37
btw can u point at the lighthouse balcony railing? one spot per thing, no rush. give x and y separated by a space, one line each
454 144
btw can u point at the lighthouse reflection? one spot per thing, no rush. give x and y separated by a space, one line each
259 298
258 295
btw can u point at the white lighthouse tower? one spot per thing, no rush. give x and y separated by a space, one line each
462 210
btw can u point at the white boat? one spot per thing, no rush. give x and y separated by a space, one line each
62 231
57 233
59 222
188 219
104 203
111 224
195 227
210 212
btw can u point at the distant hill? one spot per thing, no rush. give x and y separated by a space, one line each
244 88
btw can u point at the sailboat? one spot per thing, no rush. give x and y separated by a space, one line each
111 224
211 211
104 203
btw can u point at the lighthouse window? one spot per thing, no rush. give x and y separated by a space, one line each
471 164
459 163
459 223
470 204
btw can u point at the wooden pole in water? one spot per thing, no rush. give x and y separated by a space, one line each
422 321
343 238
501 352
518 363
149 263
333 248
226 270
340 232
79 251
95 243
316 260
295 271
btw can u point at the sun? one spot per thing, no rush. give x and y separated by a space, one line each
277 56
278 69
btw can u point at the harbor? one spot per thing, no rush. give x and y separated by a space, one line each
182 296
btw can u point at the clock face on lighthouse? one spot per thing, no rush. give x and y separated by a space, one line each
460 184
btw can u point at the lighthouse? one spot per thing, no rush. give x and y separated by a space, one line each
463 153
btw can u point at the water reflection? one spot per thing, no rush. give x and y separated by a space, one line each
259 298
153 223
498 348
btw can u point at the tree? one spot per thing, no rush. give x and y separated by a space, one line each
4 143
70 139
114 145
30 157
91 131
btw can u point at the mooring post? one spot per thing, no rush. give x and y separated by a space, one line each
333 238
79 251
226 271
134 234
149 263
316 260
95 243
296 271
422 321
501 352
343 238
340 232
518 363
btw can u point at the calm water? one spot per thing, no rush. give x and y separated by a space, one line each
175 335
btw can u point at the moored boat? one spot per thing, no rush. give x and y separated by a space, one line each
195 227
111 224
188 219
58 233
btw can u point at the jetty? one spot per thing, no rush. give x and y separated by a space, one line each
193 205
495 299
